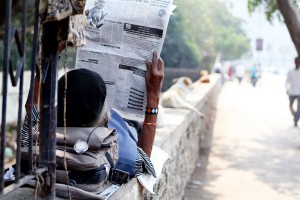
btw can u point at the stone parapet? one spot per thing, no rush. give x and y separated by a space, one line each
182 138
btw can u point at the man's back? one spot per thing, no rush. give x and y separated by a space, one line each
293 82
253 72
240 71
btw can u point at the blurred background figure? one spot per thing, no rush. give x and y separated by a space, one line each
253 74
259 74
218 68
230 72
293 89
240 72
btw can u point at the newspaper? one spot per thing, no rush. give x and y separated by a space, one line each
120 36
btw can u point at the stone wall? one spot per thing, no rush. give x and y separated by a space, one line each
181 138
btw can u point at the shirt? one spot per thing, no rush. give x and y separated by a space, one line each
240 71
292 83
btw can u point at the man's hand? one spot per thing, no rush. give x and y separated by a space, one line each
154 80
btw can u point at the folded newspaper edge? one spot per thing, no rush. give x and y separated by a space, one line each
158 158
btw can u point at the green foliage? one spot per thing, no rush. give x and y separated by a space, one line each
201 29
16 21
178 51
270 7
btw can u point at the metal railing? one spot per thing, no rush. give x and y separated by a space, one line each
48 73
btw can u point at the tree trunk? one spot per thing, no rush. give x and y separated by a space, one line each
291 15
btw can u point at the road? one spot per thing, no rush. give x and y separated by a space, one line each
253 153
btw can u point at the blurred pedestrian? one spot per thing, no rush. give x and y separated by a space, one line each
293 89
259 74
218 69
253 75
230 72
240 72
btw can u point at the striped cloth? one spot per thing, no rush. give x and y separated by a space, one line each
35 126
143 162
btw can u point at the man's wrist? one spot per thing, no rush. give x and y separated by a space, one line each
151 110
152 102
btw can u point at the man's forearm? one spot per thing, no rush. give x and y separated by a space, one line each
147 136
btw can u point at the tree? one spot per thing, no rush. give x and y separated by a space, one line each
201 29
288 9
177 51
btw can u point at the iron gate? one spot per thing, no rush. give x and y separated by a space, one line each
48 74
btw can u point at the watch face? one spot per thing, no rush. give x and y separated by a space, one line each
81 146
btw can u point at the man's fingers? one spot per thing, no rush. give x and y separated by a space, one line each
160 65
149 65
154 63
154 57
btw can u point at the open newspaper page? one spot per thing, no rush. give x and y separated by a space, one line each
120 36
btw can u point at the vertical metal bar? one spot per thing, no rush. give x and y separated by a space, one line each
35 49
23 43
6 52
48 108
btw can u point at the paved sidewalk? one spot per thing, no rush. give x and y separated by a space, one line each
254 152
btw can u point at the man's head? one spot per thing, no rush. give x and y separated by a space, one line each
297 62
85 98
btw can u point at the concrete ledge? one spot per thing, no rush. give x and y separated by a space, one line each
182 138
